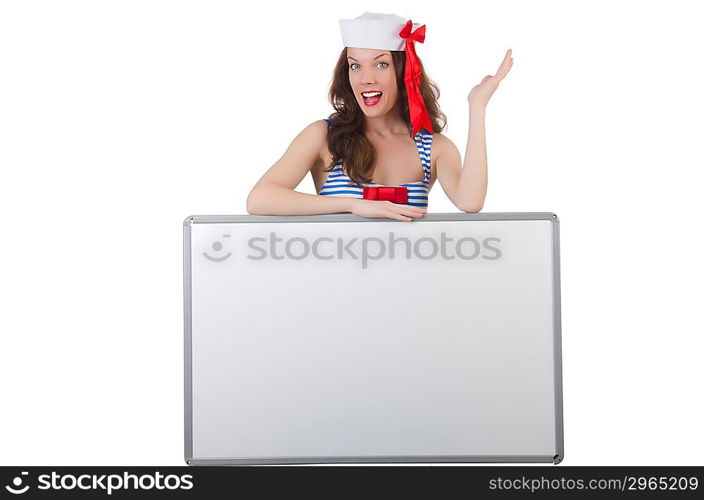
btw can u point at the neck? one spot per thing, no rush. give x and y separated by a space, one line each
386 126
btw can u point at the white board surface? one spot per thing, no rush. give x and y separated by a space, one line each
309 341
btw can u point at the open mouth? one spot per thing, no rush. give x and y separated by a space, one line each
371 97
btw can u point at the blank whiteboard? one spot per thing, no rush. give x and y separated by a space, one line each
344 339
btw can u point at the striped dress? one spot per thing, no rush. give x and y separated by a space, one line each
338 184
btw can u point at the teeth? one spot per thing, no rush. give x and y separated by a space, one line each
370 94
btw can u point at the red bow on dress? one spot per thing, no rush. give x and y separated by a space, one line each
394 194
416 105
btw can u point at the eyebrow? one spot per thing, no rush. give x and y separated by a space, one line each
377 57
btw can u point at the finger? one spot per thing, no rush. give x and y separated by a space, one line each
402 218
506 60
506 71
508 65
404 207
504 67
410 210
413 213
421 210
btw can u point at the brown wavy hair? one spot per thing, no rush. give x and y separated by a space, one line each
346 139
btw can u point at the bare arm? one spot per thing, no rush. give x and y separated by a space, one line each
471 185
464 182
473 181
274 193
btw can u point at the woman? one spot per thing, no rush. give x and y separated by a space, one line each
387 123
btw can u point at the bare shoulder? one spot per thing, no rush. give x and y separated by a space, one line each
314 137
442 147
442 144
315 133
318 126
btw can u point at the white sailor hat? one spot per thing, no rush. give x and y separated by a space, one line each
374 31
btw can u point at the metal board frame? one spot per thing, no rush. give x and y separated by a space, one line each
557 341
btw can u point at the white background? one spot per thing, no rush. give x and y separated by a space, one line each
119 119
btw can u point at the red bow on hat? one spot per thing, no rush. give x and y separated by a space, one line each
394 194
416 105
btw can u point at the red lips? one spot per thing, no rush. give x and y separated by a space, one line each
371 101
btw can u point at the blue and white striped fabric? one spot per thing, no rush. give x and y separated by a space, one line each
339 184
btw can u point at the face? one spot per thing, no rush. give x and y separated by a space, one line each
372 71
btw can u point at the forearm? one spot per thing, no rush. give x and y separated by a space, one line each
270 199
473 179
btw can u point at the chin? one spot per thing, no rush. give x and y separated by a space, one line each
375 111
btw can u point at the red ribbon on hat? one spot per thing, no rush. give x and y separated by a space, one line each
416 105
395 194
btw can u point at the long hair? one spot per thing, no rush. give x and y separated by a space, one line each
346 139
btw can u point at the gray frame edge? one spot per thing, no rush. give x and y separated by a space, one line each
557 340
557 346
345 217
377 460
187 325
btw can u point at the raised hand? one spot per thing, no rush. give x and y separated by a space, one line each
481 93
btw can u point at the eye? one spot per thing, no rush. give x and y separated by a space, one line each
353 64
387 64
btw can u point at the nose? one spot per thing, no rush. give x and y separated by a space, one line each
368 76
